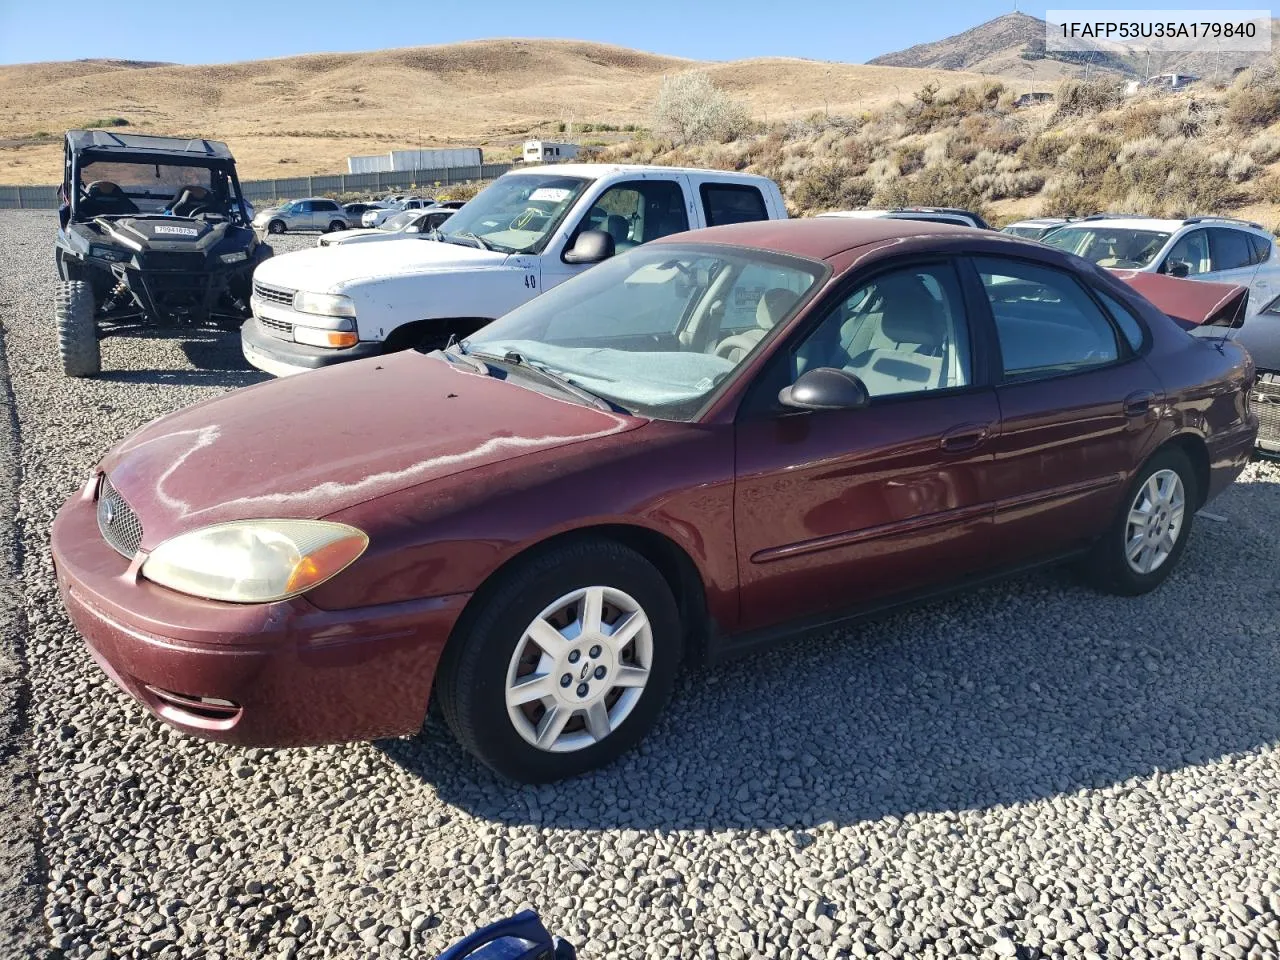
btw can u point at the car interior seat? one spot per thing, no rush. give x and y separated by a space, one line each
619 228
104 198
770 309
908 349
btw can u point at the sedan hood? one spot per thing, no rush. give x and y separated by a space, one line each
1191 303
309 446
330 270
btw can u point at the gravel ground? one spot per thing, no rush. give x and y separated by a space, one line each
1029 770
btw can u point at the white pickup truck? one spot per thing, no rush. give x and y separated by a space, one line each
524 233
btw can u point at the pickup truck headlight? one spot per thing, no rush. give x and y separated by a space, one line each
255 561
236 257
324 304
114 254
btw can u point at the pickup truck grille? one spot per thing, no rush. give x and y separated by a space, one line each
117 522
1266 404
273 294
277 328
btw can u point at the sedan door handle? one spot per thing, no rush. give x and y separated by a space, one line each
965 437
1138 404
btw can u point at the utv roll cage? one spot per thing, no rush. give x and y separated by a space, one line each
87 146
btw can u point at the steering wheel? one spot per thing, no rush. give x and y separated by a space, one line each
522 220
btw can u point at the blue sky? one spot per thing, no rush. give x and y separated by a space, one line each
231 30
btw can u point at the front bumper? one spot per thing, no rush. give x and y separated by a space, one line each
281 358
279 674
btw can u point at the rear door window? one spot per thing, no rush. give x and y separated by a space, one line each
725 203
1046 323
1230 249
1261 248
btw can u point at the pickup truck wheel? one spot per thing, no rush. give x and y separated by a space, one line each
565 665
77 331
275 226
336 226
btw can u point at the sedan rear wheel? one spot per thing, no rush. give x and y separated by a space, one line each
1145 540
564 663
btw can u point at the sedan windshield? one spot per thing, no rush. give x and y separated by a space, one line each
400 220
1121 247
656 330
516 213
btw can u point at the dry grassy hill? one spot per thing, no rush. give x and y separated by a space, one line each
305 114
1210 149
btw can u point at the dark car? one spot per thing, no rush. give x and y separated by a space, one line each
152 232
699 446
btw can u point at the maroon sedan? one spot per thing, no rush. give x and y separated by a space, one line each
706 443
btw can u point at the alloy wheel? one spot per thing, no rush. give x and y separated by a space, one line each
579 669
1155 521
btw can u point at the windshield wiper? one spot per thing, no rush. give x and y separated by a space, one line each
471 239
556 379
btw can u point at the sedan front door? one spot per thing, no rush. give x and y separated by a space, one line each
838 509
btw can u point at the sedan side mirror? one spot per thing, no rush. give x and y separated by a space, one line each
1178 268
825 388
592 246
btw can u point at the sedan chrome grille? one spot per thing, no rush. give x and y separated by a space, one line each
117 522
273 294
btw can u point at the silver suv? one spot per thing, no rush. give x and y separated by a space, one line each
314 213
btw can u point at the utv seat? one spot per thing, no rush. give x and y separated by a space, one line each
191 199
104 198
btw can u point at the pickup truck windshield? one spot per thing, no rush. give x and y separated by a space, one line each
657 329
517 213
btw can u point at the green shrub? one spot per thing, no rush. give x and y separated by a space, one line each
106 122
829 186
1080 98
1251 107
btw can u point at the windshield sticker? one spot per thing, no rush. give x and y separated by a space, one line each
550 194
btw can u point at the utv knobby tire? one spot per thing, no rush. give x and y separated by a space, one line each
77 331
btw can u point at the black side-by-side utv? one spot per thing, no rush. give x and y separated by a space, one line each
152 232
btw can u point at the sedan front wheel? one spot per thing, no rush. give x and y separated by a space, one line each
566 663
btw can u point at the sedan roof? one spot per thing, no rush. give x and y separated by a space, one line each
820 239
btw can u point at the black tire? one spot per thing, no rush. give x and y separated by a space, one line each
335 226
471 682
77 330
276 227
1107 566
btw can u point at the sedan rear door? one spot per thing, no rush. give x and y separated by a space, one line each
1078 406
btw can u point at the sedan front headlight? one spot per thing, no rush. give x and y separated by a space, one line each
255 561
324 304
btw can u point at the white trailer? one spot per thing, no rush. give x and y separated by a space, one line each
436 159
548 151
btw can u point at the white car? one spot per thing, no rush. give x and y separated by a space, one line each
526 232
373 218
406 223
961 218
1219 249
